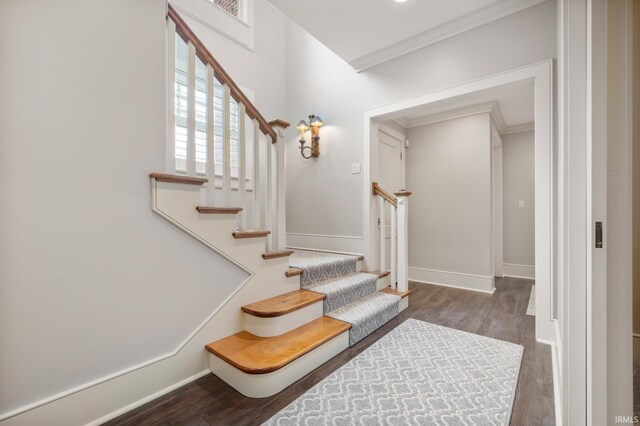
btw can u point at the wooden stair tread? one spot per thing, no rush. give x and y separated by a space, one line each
218 210
403 294
250 234
292 272
378 273
259 355
275 254
189 180
283 304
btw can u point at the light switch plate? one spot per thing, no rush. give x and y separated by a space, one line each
521 204
355 168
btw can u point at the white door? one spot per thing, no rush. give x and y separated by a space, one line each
391 176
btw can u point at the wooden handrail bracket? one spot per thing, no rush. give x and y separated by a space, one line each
377 190
223 77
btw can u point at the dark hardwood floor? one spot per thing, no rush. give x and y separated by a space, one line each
210 401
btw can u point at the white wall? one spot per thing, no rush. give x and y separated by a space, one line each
320 82
92 283
449 172
519 184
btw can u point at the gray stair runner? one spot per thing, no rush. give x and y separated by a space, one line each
367 314
351 296
318 266
344 290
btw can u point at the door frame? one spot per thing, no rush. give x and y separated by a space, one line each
541 74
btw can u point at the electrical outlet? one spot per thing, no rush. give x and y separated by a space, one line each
355 168
521 204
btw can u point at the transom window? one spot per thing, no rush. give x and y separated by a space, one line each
232 7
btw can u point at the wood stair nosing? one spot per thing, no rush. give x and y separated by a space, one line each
402 294
378 273
292 272
250 234
188 180
276 254
218 210
260 355
283 304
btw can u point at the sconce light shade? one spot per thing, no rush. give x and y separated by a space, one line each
302 126
316 121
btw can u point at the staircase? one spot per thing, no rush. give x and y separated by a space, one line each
296 309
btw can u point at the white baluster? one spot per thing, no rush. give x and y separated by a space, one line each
226 164
267 197
383 244
281 191
171 96
191 113
256 176
403 240
242 154
211 163
394 242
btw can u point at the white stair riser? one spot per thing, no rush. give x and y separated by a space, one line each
382 283
264 385
404 303
275 326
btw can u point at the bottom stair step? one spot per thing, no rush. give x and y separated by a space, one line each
262 366
367 314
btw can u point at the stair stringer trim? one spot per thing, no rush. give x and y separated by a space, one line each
252 289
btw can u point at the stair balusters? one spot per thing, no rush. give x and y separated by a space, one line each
209 120
398 257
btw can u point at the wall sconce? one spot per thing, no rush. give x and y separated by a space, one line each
314 150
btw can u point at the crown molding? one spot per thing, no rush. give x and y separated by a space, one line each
487 107
519 128
449 29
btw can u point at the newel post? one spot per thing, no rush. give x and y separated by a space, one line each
279 219
403 239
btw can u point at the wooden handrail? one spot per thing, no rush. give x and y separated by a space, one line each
377 190
203 53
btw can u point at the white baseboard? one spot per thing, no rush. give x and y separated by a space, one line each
519 271
149 398
484 284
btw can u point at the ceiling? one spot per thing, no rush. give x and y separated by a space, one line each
513 106
368 32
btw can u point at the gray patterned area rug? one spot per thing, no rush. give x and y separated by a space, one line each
319 266
418 374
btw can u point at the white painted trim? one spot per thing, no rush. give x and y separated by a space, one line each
460 280
389 131
148 398
519 128
519 271
275 326
557 392
456 113
347 237
449 29
541 74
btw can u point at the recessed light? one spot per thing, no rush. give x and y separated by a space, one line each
400 1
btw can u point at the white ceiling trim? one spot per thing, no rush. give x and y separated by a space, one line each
457 26
487 107
519 128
